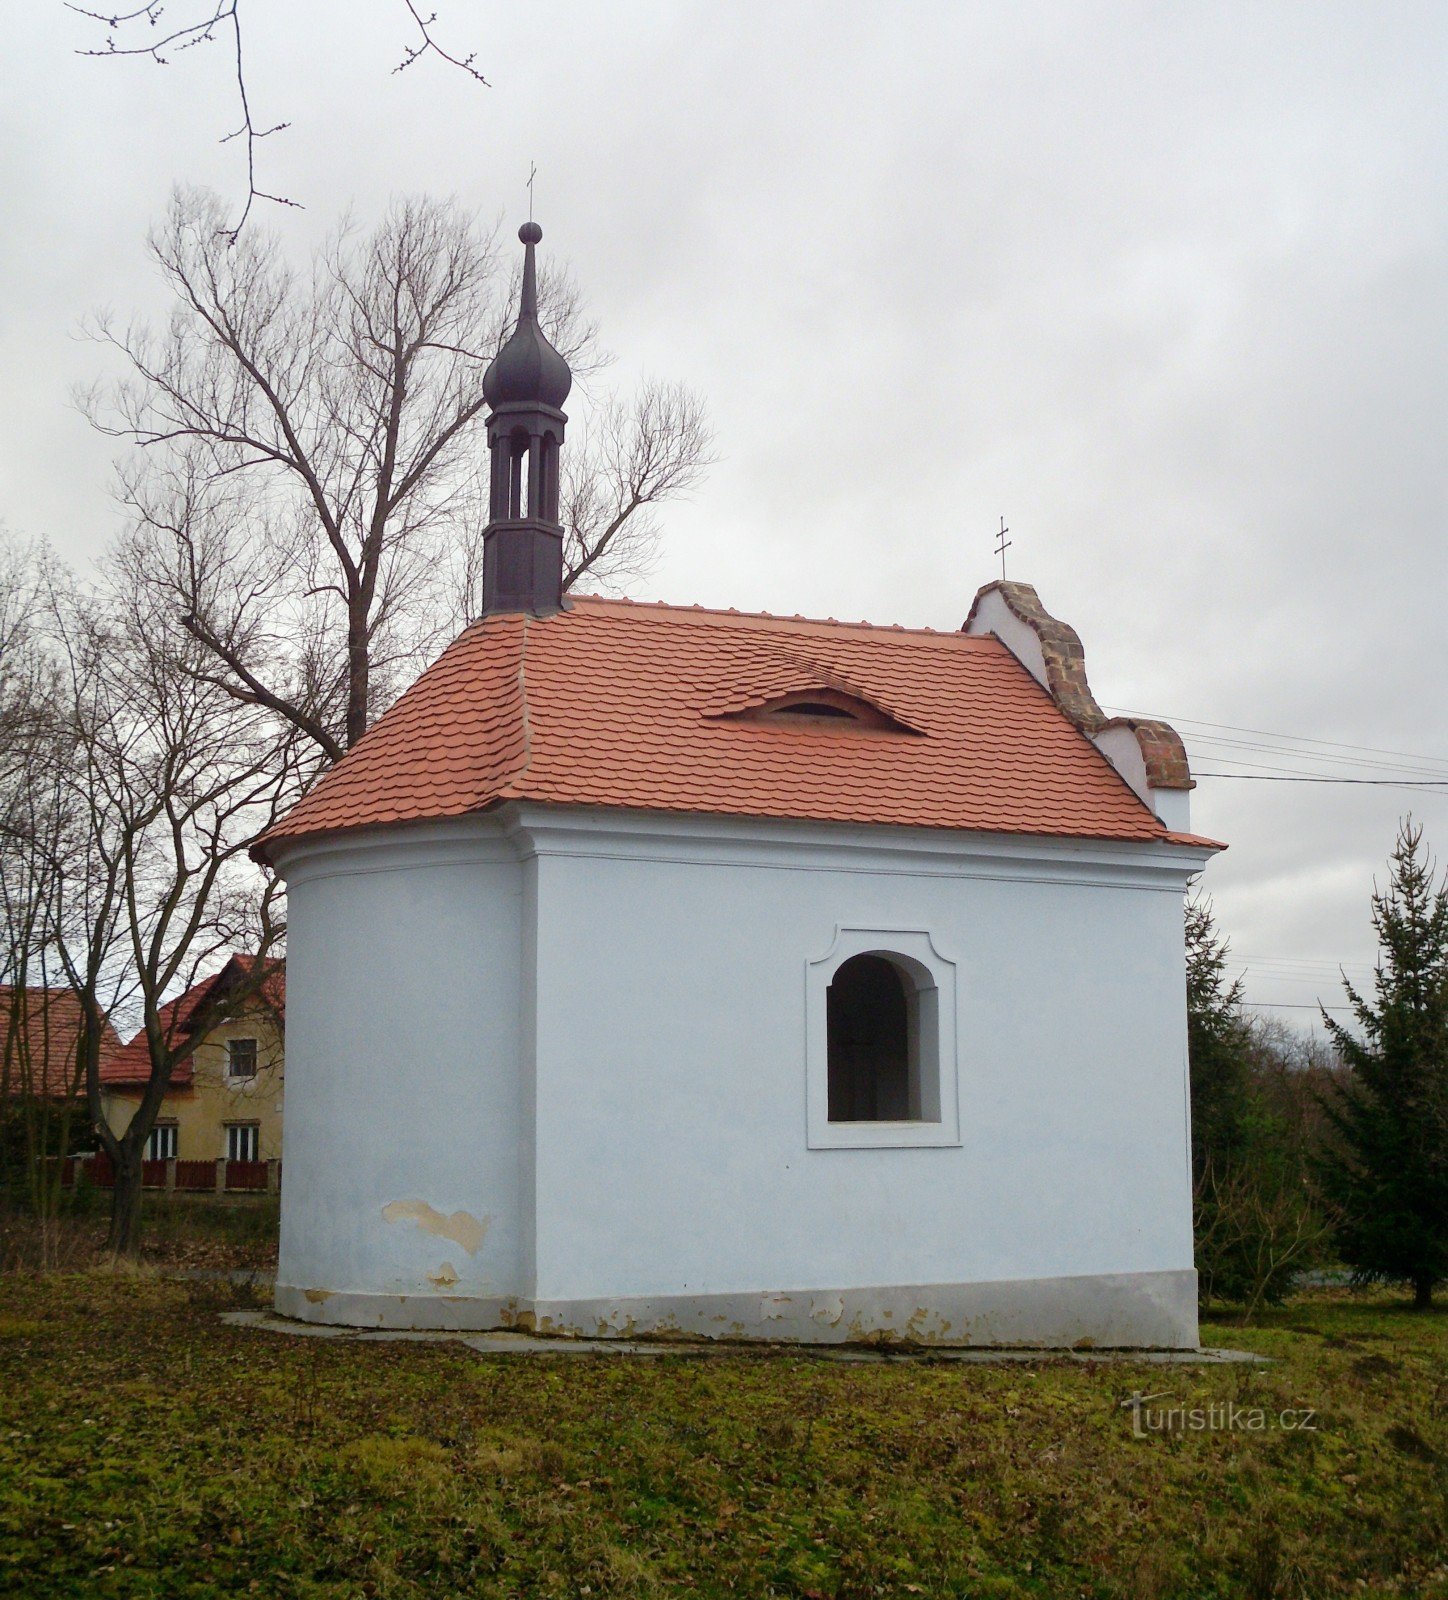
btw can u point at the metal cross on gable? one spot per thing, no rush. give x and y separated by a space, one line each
1002 545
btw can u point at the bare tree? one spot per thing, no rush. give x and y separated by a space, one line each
27 679
160 32
308 481
170 781
39 1054
639 454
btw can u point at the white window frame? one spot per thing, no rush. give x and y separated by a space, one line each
232 1076
930 979
235 1128
174 1140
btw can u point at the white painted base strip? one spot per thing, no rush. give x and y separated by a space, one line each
1112 1311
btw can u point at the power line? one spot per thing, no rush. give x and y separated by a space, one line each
1419 768
1380 783
1296 738
1356 974
1318 964
1316 981
1405 775
1290 1005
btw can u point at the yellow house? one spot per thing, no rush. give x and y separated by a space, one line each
225 1096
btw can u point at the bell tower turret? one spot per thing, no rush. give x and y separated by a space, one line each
525 387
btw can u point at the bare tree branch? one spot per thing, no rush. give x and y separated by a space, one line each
412 53
124 27
307 483
653 449
250 134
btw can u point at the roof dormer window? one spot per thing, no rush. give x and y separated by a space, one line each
820 705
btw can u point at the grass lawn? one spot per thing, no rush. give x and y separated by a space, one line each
147 1449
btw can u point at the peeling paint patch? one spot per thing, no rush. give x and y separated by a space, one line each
461 1227
828 1308
318 1297
445 1276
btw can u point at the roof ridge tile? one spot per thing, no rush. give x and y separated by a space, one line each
656 606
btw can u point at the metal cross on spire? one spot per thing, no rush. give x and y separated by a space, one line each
1002 545
532 173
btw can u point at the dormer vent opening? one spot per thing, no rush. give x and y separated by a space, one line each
822 706
813 708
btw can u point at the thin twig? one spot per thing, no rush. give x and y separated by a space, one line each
203 31
187 37
193 33
411 53
252 134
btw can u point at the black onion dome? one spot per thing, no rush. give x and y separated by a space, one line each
527 370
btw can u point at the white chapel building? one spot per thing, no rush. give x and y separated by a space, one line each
654 969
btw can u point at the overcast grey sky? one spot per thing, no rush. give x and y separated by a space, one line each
1164 285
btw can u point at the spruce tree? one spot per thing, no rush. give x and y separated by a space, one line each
1388 1175
1216 1045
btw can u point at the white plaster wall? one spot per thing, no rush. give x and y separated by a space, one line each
1174 807
670 1088
993 615
404 1087
1122 749
585 1034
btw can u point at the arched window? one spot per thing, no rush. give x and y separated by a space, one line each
868 1023
881 1044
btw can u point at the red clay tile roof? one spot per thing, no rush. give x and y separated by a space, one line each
612 703
132 1062
43 1061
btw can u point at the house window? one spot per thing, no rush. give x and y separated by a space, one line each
242 1141
241 1058
161 1144
880 1032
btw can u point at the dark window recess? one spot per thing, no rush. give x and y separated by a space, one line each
161 1145
241 1058
814 708
869 1022
822 705
242 1141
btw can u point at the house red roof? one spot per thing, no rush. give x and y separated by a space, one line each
131 1063
42 1045
654 707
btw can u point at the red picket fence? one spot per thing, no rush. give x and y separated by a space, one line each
192 1177
246 1175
